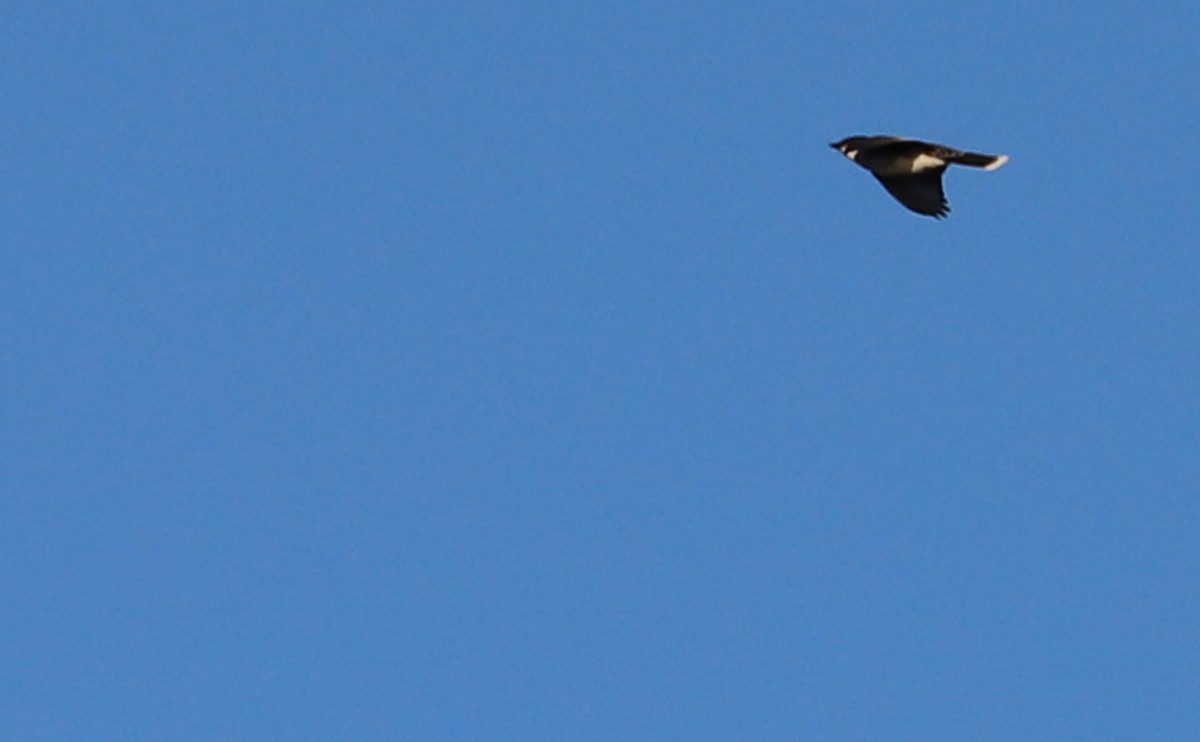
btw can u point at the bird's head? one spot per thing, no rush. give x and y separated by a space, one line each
850 145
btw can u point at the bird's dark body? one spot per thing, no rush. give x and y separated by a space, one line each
911 170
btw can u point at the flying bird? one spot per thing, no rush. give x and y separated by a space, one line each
911 170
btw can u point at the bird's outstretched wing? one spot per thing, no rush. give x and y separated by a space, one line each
921 193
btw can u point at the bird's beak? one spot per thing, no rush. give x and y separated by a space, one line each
834 145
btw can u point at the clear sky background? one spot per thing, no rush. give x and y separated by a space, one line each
535 371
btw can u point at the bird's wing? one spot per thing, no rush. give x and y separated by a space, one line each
921 193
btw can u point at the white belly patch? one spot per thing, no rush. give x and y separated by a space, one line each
927 162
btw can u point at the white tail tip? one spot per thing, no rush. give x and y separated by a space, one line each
998 163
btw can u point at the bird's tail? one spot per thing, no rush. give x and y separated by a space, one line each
974 159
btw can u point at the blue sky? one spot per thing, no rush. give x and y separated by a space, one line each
530 370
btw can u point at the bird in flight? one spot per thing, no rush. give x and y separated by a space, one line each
911 170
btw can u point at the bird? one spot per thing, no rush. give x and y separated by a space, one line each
911 170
